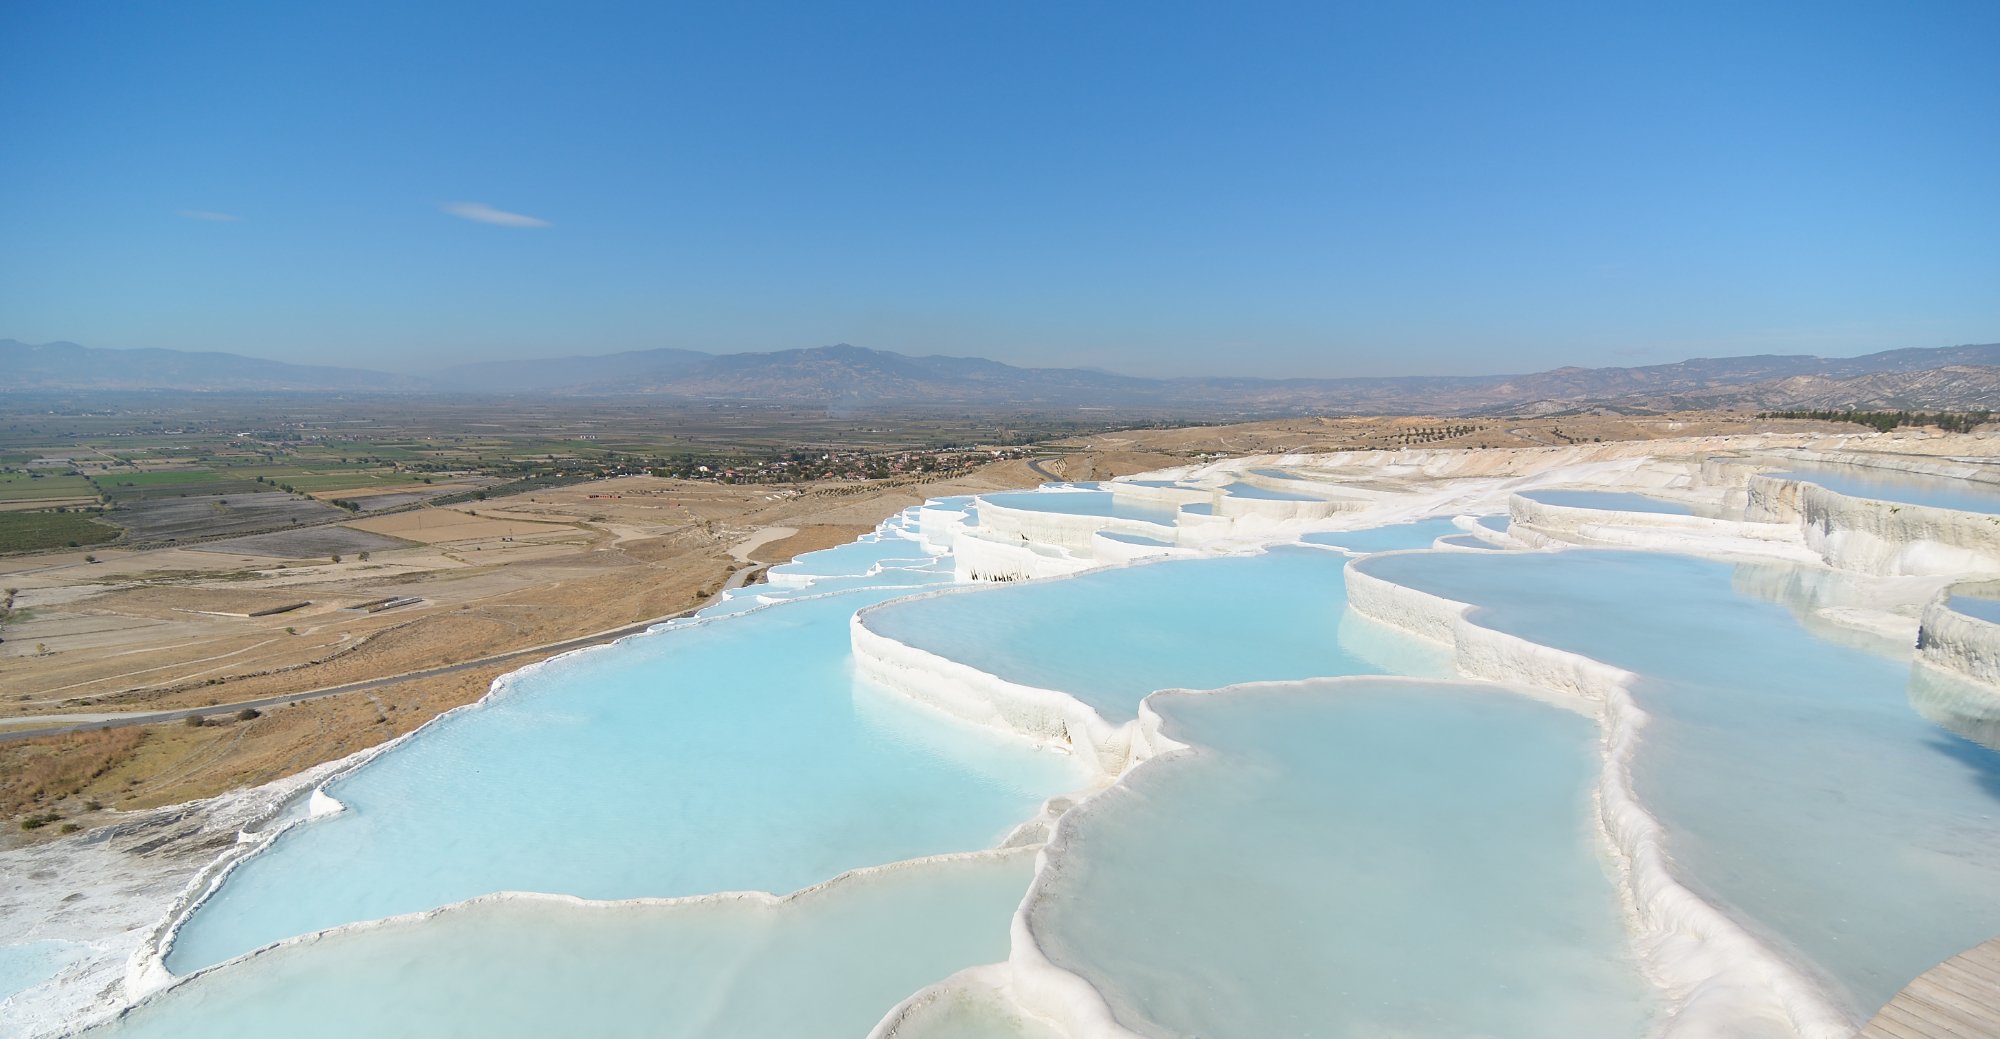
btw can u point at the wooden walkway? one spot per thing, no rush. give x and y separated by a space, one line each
1957 999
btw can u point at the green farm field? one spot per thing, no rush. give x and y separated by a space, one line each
31 531
22 487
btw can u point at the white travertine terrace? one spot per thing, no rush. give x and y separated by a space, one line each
1956 682
1960 643
1717 980
1059 529
1659 531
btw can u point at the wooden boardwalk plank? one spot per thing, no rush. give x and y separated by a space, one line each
1957 999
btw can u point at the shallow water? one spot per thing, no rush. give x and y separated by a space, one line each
1982 607
24 966
1613 501
1246 490
1083 503
734 755
857 558
827 964
1352 859
1858 481
1111 637
1420 534
1800 790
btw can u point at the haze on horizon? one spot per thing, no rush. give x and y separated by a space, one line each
1286 190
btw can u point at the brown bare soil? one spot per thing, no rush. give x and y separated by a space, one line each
808 539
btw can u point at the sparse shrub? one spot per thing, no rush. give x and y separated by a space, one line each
289 630
70 828
39 820
336 559
248 714
196 721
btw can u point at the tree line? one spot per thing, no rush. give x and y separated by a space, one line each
1949 421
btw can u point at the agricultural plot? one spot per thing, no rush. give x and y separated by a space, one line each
206 515
126 487
31 531
307 543
26 487
349 481
380 501
432 526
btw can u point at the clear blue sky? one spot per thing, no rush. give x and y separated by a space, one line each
1316 189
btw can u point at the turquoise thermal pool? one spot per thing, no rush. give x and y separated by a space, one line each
737 754
1111 637
1860 481
825 964
1345 858
1246 490
1800 791
1980 606
1083 503
1387 539
1617 501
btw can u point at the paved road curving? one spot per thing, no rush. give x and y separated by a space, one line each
1035 465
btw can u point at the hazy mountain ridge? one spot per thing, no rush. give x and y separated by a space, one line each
68 366
1946 377
1952 388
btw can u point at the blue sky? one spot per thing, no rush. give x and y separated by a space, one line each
1315 190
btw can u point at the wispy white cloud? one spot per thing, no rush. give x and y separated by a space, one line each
208 214
486 214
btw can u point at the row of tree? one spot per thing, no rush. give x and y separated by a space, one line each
1949 421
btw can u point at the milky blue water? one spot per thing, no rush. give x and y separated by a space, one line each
725 756
1800 790
1373 859
1278 474
1857 481
1083 503
1246 490
1495 523
888 577
857 558
1977 606
1110 637
1387 539
1614 501
825 966
24 966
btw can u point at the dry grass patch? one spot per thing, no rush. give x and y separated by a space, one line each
432 526
808 539
37 773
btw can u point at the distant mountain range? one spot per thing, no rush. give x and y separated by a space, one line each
1957 377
